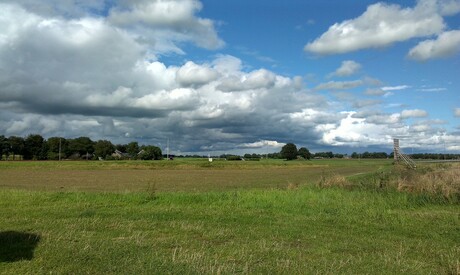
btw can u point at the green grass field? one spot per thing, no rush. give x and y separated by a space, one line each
195 217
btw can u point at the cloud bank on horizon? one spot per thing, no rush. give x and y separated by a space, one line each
103 69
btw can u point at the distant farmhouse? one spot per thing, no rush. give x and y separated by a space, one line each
121 155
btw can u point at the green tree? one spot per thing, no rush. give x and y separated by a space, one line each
81 145
289 151
324 155
121 147
305 153
4 147
132 149
16 145
53 144
34 147
150 153
103 148
274 156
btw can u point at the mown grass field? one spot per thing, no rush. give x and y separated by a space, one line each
252 217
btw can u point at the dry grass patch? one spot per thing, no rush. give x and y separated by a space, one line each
441 180
333 180
433 180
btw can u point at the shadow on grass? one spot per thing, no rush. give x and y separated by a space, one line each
17 246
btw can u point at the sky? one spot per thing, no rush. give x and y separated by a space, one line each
234 76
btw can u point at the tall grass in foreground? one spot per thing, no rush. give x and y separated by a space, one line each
439 182
301 230
442 180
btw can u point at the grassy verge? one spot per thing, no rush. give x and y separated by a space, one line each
302 230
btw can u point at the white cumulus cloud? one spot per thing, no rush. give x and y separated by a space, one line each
348 68
379 26
447 44
355 132
263 143
457 112
166 23
339 85
375 92
445 7
193 74
395 88
258 79
413 113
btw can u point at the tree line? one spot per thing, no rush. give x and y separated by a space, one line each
435 156
290 152
35 147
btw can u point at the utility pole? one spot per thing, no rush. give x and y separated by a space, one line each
167 149
59 149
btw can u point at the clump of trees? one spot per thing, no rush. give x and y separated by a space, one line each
233 157
150 152
290 152
253 157
324 155
35 147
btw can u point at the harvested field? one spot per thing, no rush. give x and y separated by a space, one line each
173 176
